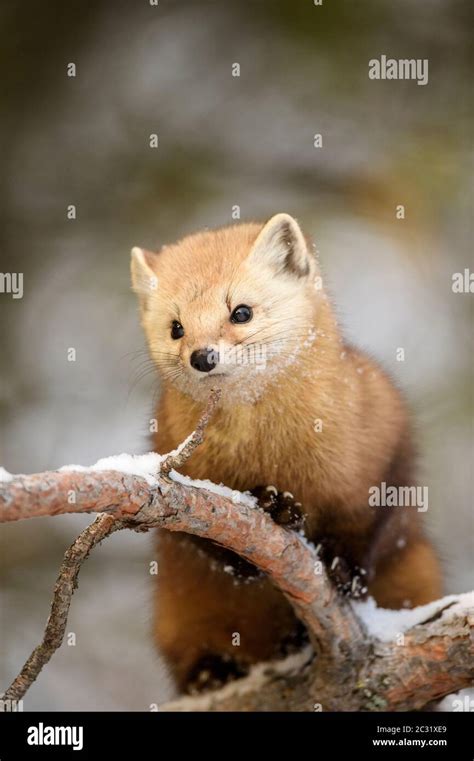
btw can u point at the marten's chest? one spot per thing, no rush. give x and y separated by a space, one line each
292 464
280 446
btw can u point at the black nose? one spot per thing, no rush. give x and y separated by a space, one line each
203 360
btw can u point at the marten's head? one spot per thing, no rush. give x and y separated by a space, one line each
228 308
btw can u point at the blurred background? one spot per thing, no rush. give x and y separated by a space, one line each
223 141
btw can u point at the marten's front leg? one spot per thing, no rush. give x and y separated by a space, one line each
349 578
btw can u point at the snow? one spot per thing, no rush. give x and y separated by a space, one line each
386 625
5 475
237 497
145 466
180 448
311 337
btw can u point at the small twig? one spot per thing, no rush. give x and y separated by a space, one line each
64 588
176 459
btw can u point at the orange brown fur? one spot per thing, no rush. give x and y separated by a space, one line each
269 437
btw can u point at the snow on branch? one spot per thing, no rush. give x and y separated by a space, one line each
354 666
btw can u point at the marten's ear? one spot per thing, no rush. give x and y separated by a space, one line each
282 246
144 279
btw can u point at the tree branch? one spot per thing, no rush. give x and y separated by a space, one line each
352 670
436 659
250 532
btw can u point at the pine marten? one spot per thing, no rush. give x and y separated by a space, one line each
243 309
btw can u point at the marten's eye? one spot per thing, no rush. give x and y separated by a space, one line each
242 313
177 330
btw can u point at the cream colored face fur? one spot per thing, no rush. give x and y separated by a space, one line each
200 280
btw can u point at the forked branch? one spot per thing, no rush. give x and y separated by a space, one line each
352 670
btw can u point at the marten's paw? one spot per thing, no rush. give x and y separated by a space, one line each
281 506
349 580
211 672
